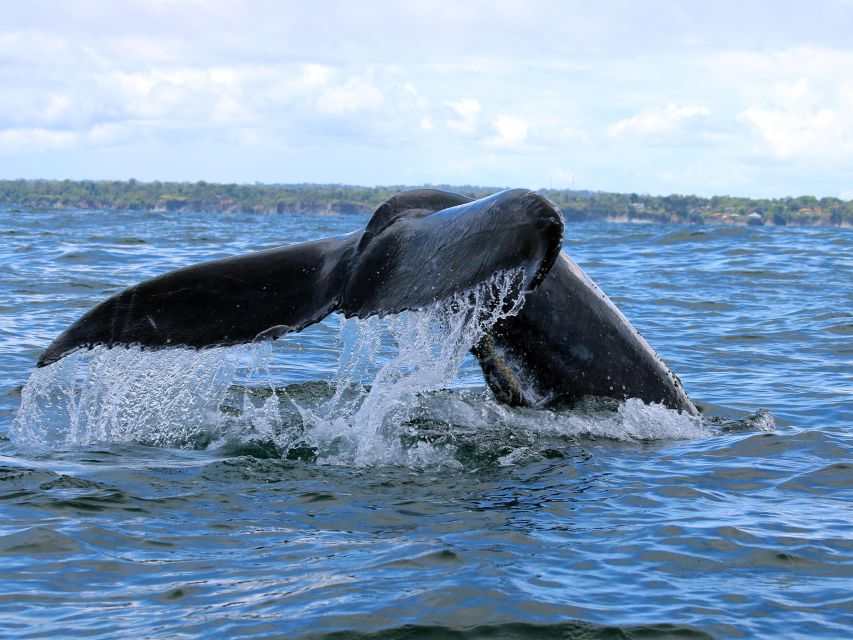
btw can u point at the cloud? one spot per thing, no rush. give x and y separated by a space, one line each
314 75
356 94
468 115
791 105
752 72
798 121
512 132
16 140
660 124
609 93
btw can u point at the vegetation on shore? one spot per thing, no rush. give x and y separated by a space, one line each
334 198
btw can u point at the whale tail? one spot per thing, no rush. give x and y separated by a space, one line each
420 246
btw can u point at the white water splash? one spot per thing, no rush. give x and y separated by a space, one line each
362 427
386 404
631 420
162 398
174 397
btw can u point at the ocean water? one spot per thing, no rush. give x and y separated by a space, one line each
358 481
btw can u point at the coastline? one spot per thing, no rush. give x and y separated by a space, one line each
321 199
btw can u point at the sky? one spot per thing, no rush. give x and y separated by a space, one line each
747 97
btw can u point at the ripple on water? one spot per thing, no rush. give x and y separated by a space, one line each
38 540
491 522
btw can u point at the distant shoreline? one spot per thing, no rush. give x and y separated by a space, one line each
132 195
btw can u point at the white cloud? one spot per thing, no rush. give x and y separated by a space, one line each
752 72
658 124
204 81
799 121
144 49
356 94
787 133
512 132
17 140
111 134
314 75
468 115
789 105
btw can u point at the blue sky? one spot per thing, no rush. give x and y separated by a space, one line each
747 98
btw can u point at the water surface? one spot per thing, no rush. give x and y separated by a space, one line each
446 514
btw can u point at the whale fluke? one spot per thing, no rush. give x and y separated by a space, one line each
568 340
420 246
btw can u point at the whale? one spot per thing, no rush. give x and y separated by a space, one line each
566 342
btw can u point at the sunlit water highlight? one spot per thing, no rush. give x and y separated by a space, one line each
358 478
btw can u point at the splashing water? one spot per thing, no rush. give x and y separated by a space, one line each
385 404
173 397
161 398
360 426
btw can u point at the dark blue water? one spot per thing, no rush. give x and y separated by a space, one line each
215 495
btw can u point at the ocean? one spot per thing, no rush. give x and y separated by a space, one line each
357 480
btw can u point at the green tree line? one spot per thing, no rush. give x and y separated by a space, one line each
336 198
